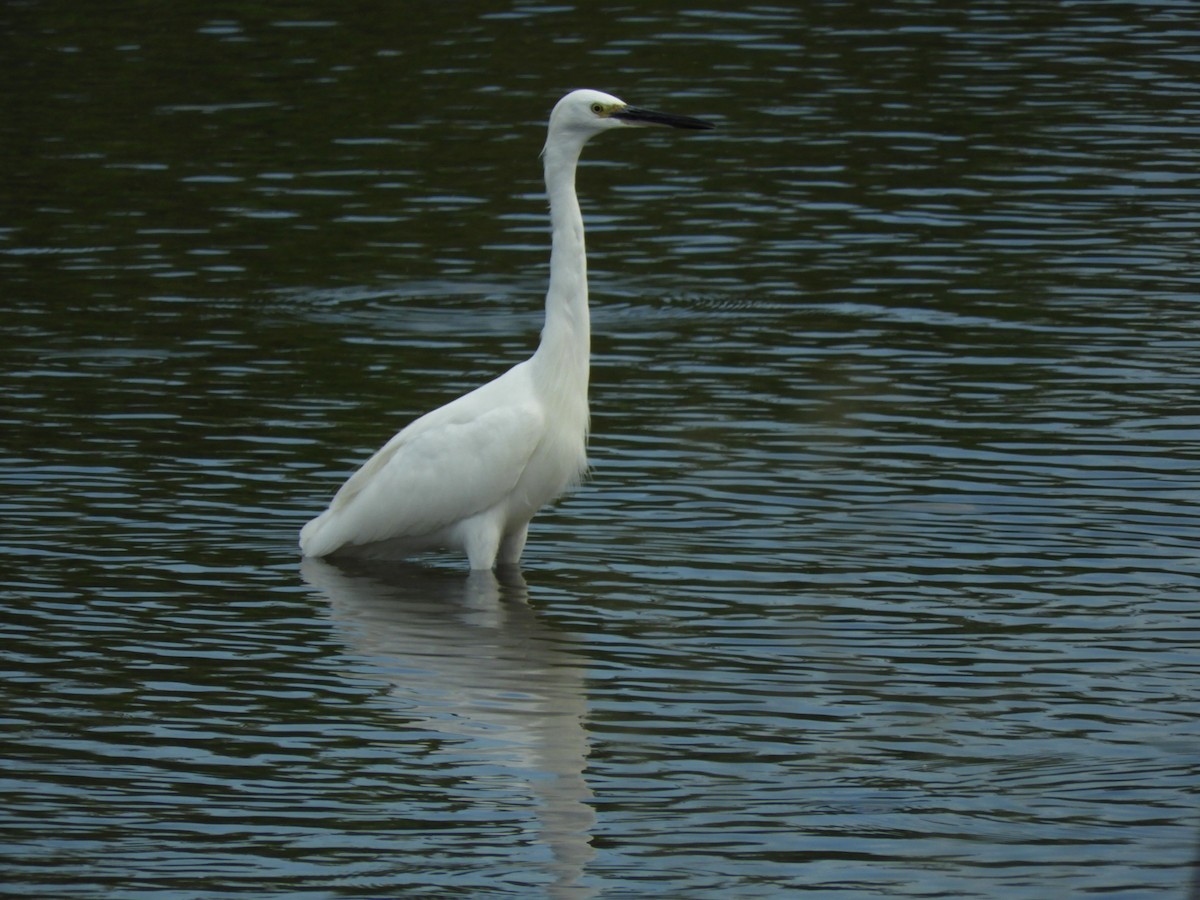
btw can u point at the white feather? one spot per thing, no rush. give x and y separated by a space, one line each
471 474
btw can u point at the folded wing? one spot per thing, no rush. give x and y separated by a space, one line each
438 471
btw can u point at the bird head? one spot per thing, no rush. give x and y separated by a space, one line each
585 112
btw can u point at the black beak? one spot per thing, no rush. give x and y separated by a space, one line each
635 116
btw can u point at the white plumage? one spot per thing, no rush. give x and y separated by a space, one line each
471 474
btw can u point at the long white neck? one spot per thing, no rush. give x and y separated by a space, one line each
566 338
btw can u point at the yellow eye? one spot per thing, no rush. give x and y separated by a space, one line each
598 108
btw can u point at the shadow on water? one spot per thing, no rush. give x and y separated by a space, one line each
469 660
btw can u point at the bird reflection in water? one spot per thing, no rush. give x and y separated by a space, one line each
471 660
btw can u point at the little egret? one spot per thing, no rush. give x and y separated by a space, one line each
471 474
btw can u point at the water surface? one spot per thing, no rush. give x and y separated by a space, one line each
885 580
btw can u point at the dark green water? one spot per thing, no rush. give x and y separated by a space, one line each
885 583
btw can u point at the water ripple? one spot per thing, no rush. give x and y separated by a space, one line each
884 578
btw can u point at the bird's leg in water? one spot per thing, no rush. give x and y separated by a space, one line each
512 545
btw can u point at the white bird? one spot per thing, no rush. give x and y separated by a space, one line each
471 474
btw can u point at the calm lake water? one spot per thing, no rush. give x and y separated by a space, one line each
886 580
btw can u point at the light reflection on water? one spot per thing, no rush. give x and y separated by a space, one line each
885 580
488 688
